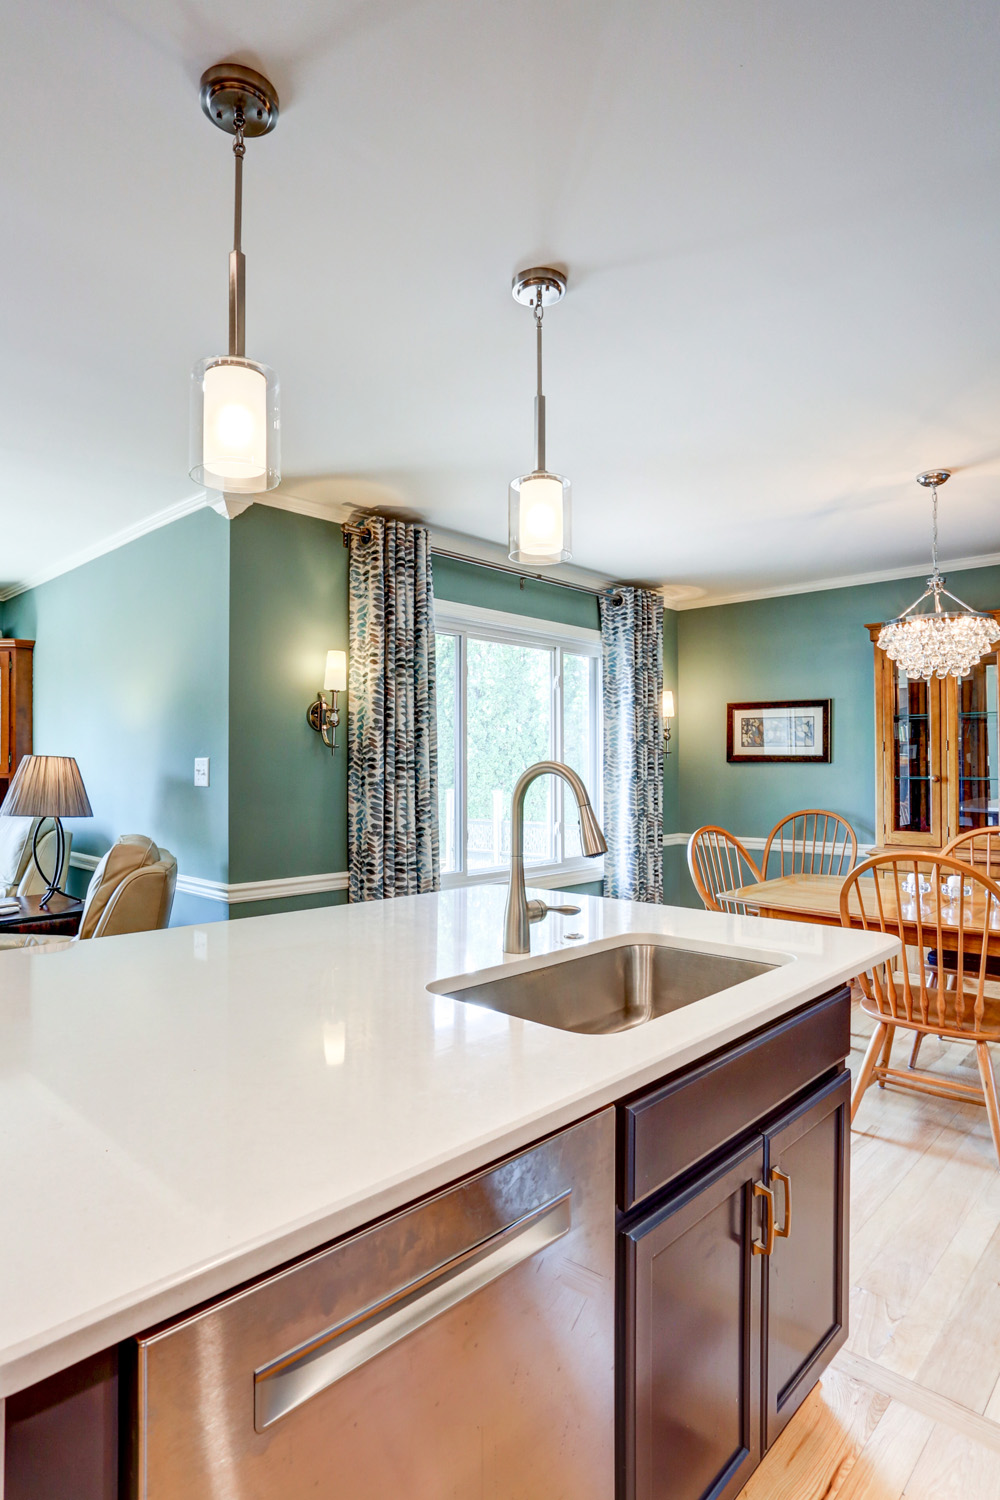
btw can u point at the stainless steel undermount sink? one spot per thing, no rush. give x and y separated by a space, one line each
610 990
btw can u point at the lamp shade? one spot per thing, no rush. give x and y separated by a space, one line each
335 677
539 519
47 786
235 426
668 703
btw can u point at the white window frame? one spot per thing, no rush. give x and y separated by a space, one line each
465 620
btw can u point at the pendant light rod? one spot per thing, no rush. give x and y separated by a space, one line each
539 398
539 288
243 103
237 260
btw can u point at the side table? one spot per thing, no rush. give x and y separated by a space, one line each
61 915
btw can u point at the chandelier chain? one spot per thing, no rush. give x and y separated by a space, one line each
934 529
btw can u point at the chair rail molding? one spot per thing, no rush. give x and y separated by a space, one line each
578 873
241 891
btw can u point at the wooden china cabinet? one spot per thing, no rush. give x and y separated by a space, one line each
15 707
937 753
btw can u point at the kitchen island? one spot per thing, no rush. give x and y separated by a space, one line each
184 1111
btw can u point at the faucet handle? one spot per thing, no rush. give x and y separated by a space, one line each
537 910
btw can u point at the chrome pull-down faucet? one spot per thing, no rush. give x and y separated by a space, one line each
520 911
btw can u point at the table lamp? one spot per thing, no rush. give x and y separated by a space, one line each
48 786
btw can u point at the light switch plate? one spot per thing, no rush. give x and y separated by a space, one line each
201 771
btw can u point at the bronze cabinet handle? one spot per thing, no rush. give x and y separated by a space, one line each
760 1191
786 1182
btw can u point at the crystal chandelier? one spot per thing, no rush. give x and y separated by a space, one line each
539 502
938 642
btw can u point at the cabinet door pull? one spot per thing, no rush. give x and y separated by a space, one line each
760 1191
786 1182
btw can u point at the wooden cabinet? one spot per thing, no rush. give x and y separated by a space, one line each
693 1291
15 707
805 1277
733 1295
937 753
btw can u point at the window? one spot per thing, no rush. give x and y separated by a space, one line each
512 691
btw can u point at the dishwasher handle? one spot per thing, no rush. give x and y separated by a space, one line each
285 1383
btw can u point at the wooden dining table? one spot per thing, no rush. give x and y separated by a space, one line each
816 898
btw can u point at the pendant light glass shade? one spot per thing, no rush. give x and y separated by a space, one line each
939 642
235 426
540 519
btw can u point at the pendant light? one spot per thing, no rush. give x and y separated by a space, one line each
235 429
938 642
539 510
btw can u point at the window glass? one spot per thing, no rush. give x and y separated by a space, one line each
508 726
507 698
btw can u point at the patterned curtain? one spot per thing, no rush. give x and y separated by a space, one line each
631 646
392 713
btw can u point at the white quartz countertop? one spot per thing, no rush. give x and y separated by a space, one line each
183 1110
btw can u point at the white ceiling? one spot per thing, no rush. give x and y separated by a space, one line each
781 220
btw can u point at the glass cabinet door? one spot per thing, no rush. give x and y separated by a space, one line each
914 760
975 756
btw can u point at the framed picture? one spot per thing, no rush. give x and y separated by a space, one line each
790 729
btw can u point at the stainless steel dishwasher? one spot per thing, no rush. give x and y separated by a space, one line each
459 1350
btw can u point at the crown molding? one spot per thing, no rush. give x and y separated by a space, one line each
318 509
117 539
476 549
850 581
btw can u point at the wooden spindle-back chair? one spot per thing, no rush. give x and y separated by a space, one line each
963 925
719 864
979 847
811 842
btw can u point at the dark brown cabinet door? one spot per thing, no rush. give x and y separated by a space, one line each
691 1399
805 1277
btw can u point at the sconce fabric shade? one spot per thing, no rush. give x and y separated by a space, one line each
47 786
335 677
668 703
540 519
235 426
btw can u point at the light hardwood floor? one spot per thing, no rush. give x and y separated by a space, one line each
911 1406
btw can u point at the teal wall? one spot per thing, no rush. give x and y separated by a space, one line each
811 645
131 669
287 793
465 583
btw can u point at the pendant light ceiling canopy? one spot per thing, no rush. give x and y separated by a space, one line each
539 502
938 642
235 419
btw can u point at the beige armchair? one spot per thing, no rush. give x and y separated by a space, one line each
18 873
131 890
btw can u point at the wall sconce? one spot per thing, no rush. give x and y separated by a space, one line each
323 716
668 714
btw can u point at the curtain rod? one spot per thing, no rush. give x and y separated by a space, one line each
360 530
